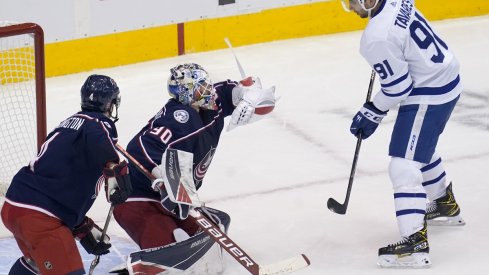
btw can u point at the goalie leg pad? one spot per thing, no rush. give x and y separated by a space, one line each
189 256
197 255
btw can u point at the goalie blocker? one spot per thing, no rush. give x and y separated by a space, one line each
198 254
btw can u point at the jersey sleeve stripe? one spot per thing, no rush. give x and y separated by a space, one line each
409 89
400 79
111 140
145 153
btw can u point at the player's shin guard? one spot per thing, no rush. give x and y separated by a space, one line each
24 266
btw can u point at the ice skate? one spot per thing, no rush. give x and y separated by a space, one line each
412 252
444 210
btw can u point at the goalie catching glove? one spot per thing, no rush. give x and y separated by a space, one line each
252 102
117 182
89 234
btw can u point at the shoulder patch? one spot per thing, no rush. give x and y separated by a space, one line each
107 125
181 116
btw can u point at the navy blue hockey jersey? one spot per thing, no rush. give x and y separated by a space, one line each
180 127
65 177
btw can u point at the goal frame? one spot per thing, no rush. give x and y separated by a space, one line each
40 75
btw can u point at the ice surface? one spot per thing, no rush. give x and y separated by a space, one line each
274 177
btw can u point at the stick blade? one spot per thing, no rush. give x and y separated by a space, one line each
285 266
336 207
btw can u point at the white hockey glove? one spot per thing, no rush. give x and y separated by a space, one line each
117 182
238 91
89 234
175 183
252 104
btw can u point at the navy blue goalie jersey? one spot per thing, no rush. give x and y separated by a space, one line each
183 128
65 177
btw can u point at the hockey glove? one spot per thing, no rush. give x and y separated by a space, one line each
244 85
89 234
252 103
366 120
117 182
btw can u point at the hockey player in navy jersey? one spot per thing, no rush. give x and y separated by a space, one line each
419 73
47 200
191 121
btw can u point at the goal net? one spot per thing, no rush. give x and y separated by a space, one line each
22 97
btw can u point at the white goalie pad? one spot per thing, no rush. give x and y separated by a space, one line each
190 255
211 263
176 172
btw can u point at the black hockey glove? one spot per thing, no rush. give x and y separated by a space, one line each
117 183
89 234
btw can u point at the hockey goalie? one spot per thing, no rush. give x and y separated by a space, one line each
177 145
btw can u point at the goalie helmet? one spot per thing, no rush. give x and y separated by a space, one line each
100 93
190 85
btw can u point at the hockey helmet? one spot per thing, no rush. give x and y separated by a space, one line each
190 85
100 93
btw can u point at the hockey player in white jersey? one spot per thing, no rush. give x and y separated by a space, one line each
419 73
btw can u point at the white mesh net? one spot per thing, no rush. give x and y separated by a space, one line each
18 125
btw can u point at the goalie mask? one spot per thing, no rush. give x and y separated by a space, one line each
190 85
100 93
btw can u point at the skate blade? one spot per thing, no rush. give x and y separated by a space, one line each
447 221
415 260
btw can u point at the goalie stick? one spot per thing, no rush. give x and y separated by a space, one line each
223 240
241 71
334 205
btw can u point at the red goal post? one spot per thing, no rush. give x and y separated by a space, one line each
22 97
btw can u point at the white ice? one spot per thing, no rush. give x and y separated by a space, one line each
274 177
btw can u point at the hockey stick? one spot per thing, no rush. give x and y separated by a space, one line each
334 205
241 71
104 233
223 240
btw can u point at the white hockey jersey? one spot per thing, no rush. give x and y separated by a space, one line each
414 65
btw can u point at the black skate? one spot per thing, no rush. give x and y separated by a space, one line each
412 252
444 210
